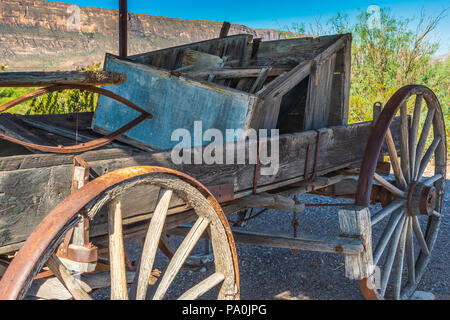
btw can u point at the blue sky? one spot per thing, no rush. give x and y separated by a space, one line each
277 14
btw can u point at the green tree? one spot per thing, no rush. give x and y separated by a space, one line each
388 57
68 101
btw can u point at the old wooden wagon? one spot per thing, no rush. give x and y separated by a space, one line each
69 209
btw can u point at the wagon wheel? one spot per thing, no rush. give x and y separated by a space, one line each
412 219
107 190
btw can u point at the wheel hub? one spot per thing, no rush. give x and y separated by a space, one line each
422 199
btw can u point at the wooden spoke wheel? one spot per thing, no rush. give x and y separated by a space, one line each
410 223
107 191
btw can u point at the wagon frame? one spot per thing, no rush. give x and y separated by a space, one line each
74 189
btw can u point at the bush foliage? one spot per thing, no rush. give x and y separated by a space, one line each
388 57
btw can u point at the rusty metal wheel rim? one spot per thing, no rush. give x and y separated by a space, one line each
47 236
405 226
83 147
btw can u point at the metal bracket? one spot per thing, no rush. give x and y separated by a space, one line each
76 250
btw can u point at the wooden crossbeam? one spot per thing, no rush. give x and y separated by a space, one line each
41 79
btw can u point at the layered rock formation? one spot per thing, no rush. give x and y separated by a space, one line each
38 34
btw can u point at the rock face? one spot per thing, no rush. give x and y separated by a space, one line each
38 34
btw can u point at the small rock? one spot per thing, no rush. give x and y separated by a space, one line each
203 270
422 295
330 287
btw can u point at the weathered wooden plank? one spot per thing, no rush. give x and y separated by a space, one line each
340 97
69 282
76 135
119 289
40 79
200 60
319 94
177 103
233 46
53 289
266 114
12 126
355 222
72 121
285 83
276 239
225 29
290 52
26 196
203 287
226 73
36 161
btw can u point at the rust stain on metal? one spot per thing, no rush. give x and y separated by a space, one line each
222 192
339 249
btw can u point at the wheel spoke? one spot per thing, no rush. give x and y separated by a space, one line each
180 256
389 186
414 133
68 281
141 282
404 143
423 140
394 160
428 155
379 216
410 261
117 251
436 214
203 287
387 234
430 181
391 255
419 235
399 262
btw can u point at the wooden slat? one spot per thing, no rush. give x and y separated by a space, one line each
340 97
40 79
213 46
151 245
69 282
117 252
225 29
290 52
302 70
229 73
318 102
355 222
203 287
53 289
180 257
276 239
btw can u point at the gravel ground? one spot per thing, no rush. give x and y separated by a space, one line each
269 273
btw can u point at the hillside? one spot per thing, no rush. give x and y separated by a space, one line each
34 34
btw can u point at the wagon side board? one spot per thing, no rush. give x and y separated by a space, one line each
176 102
28 194
327 70
234 47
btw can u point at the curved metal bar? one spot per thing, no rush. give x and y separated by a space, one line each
22 265
378 134
83 147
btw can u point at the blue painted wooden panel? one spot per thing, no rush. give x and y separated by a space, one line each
174 102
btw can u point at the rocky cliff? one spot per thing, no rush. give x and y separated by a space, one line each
37 34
